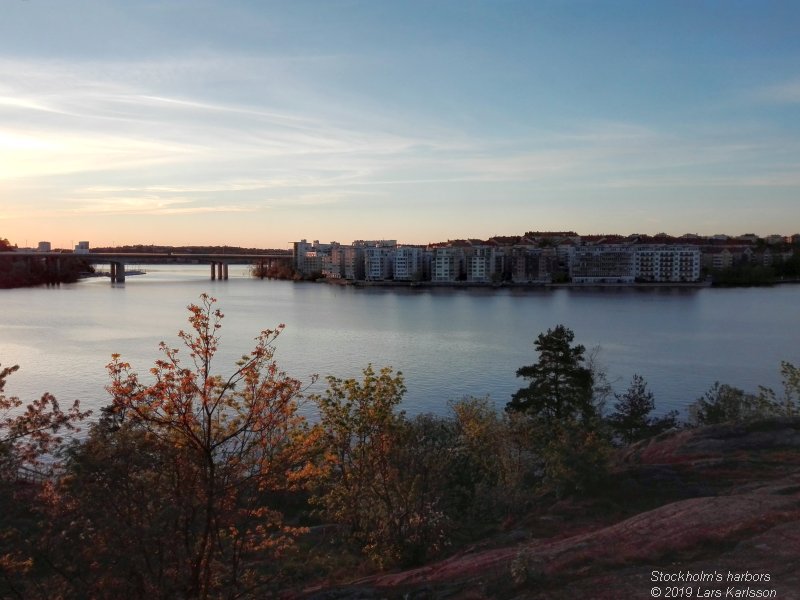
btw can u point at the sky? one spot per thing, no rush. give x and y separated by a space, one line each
257 123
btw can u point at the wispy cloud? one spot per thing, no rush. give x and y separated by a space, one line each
33 153
146 205
99 125
787 92
27 104
158 138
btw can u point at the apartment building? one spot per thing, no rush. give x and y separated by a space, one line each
535 259
353 263
530 264
309 257
446 263
333 262
613 263
479 263
672 264
378 258
408 263
378 263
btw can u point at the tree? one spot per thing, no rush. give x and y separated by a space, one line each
237 446
419 514
26 435
559 404
380 481
789 404
723 403
360 426
479 443
631 420
491 460
560 383
119 528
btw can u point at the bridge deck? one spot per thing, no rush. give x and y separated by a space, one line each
150 256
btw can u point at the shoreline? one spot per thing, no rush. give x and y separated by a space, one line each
509 286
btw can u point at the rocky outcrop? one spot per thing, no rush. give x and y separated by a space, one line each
731 509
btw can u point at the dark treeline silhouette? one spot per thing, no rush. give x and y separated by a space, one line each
17 271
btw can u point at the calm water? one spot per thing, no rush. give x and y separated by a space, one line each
448 343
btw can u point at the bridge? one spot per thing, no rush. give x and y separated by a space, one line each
117 260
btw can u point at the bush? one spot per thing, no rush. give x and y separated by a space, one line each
724 403
384 473
574 458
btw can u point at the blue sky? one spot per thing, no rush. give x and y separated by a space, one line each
257 123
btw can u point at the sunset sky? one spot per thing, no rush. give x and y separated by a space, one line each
256 123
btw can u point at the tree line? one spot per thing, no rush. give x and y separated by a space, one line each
191 484
16 271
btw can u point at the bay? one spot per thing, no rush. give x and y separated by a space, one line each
449 343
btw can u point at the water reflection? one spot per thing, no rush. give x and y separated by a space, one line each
449 343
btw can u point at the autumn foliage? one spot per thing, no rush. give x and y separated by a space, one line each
237 444
194 484
180 489
27 435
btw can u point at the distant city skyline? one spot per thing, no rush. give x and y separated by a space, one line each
261 123
88 245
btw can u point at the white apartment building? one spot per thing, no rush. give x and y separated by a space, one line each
667 264
408 263
446 264
378 259
312 258
619 263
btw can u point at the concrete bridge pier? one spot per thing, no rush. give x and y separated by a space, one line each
53 265
219 270
117 272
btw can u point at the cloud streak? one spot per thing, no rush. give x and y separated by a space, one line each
787 92
147 205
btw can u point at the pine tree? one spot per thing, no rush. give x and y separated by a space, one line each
631 420
560 383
